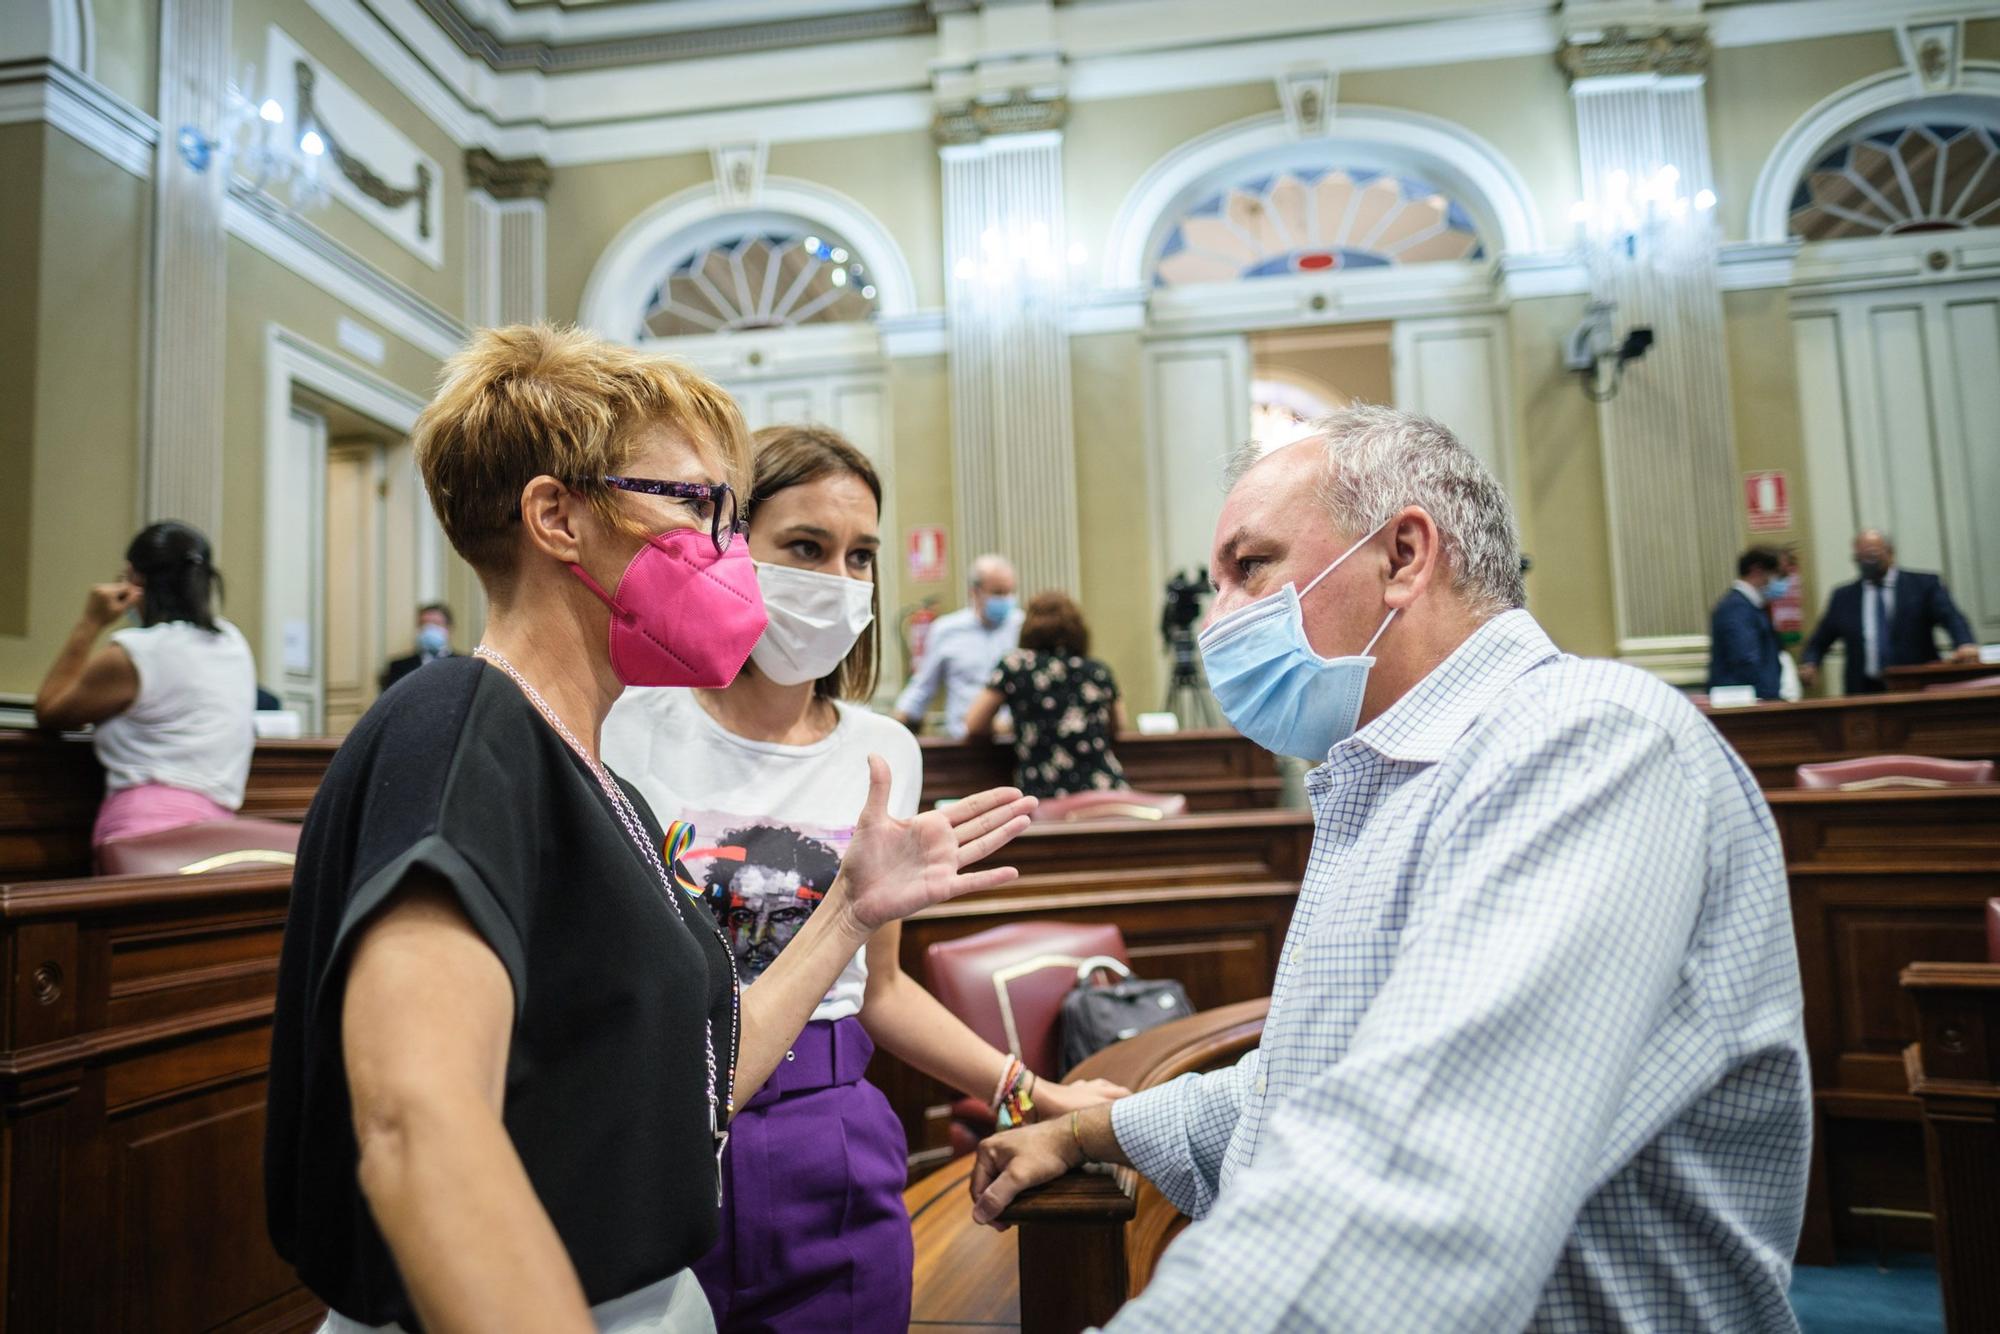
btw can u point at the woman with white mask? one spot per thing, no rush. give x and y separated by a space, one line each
771 773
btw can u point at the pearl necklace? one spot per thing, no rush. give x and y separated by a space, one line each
635 830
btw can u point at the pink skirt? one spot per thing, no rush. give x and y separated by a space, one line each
149 808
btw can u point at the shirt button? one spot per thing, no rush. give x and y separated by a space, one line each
1260 1086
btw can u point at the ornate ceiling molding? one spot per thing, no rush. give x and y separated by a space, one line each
692 44
1622 51
507 178
1020 113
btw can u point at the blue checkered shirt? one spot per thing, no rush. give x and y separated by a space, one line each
1535 1057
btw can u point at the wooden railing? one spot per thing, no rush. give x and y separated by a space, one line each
1774 739
1954 1072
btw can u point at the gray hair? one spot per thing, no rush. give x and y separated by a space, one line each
990 563
1379 460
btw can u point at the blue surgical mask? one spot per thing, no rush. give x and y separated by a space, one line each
1778 589
1273 687
433 639
998 609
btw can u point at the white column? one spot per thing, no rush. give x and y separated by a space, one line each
1013 440
183 427
506 239
1669 451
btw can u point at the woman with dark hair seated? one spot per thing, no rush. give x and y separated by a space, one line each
171 696
1065 704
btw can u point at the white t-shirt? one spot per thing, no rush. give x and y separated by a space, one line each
190 726
771 821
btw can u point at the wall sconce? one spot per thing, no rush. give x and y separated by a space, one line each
253 144
1022 263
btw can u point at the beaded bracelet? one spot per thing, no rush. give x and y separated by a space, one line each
1008 1074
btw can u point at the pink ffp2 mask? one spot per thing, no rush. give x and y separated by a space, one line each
683 615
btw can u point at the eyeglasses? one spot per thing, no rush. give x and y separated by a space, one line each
713 501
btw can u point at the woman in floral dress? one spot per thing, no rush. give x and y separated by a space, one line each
1065 704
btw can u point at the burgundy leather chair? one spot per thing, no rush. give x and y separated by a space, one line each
1122 803
1008 983
1993 930
1874 771
215 845
1973 683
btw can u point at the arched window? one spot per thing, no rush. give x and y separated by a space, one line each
1926 166
1312 217
758 272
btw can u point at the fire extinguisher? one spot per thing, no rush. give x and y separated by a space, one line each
915 625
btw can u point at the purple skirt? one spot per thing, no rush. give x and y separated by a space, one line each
814 1232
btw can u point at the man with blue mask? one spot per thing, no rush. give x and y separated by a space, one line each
964 646
433 642
1535 1055
1743 647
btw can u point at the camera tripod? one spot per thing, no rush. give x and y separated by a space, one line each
1187 690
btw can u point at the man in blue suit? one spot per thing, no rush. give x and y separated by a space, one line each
1887 618
1742 645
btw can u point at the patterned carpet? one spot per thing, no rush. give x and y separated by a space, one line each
1857 1297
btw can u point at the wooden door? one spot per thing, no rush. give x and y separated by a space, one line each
351 628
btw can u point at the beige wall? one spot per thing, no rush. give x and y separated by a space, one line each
1757 93
588 205
1536 135
69 441
1559 487
444 286
128 49
920 483
1114 513
1765 396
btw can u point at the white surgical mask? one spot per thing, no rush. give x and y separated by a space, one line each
814 620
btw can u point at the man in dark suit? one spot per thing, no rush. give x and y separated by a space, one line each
433 642
1742 645
1886 618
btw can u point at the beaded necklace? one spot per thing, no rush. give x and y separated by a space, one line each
635 830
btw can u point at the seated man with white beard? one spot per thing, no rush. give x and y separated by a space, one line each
1535 1055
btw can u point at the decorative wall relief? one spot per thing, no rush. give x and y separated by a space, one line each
372 167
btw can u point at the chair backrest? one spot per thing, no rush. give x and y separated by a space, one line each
1875 771
1970 683
1007 983
1993 930
1115 804
215 845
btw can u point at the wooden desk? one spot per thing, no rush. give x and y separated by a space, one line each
1204 899
1217 769
1937 673
50 787
1954 1073
137 1030
1774 739
1878 880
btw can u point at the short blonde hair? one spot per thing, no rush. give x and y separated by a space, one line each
532 399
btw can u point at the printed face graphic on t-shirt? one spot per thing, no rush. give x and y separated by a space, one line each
762 878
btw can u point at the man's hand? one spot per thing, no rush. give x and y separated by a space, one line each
896 867
1808 673
107 602
1012 1162
1965 653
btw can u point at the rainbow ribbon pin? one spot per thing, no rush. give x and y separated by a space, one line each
680 837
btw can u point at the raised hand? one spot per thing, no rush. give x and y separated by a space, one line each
107 602
896 867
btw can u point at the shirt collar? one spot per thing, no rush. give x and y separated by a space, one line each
1421 726
1751 591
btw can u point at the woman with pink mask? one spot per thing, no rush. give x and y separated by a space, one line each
814 1233
508 1041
